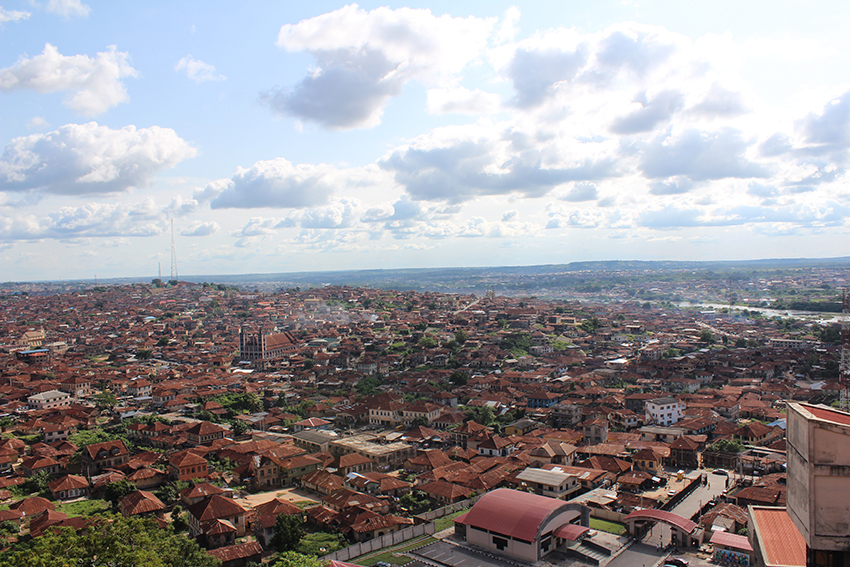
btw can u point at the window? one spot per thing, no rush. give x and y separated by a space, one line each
500 543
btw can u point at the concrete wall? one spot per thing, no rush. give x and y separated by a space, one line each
378 543
819 479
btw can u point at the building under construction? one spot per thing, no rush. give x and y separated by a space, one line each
264 345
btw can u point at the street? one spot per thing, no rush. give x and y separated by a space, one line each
690 505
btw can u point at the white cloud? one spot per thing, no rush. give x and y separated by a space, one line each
95 83
37 122
89 220
68 8
364 58
460 100
459 164
198 70
199 228
12 15
279 183
343 213
79 159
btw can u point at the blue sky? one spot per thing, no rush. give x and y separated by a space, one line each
293 136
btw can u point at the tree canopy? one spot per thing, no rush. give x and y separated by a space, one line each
112 541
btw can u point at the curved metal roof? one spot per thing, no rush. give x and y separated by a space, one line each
671 518
513 513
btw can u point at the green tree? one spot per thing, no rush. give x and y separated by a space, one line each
288 531
163 341
459 378
705 336
428 342
727 446
461 336
293 559
105 400
143 354
38 482
239 427
368 385
115 491
111 541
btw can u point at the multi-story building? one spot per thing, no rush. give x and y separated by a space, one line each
818 443
664 411
265 346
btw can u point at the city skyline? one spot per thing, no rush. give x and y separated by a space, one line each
287 138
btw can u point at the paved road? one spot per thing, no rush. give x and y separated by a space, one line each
690 505
638 555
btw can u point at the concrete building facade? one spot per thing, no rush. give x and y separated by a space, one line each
818 444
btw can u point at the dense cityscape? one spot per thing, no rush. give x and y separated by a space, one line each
367 426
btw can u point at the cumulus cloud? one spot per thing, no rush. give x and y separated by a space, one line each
650 113
456 170
700 156
94 83
364 58
829 130
721 102
798 214
535 72
340 214
460 100
581 192
255 230
275 183
198 70
37 122
199 228
81 159
674 186
12 15
67 8
92 220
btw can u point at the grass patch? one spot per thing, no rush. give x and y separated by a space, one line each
83 507
446 522
606 526
389 556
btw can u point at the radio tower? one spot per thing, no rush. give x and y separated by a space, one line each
174 275
844 376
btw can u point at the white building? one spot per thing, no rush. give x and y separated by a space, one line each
48 400
664 411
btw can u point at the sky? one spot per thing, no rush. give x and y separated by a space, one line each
303 136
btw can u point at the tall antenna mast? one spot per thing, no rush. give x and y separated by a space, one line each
174 275
844 370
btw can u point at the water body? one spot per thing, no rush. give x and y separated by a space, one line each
818 316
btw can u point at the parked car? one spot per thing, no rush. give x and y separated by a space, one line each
721 472
676 562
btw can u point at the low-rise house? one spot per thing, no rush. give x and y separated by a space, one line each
69 487
203 515
34 465
555 484
141 503
187 465
204 433
238 555
106 455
